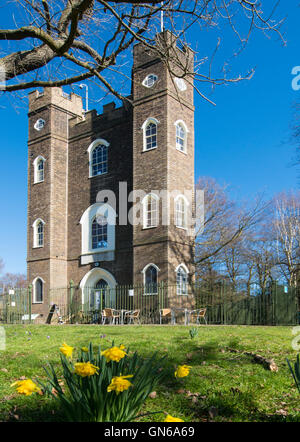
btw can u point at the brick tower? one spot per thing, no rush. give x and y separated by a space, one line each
76 162
168 166
49 115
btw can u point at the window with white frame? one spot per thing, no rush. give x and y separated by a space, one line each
151 210
150 80
98 157
99 232
98 229
38 290
39 169
39 124
151 279
181 211
182 280
150 134
181 136
181 84
38 233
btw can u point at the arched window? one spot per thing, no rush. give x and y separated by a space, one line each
99 232
150 134
38 233
181 136
39 169
150 210
98 157
99 160
181 209
151 279
182 280
38 290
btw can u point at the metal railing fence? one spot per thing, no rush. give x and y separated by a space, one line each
223 304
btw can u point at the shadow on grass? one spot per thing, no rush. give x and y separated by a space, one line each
232 405
228 409
199 353
40 411
235 405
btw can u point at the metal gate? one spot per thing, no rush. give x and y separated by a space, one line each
15 306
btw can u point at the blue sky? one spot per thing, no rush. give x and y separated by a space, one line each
243 141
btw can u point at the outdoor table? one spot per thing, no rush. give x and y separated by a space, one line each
122 312
186 315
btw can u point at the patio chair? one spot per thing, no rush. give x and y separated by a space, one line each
111 315
165 313
132 315
197 315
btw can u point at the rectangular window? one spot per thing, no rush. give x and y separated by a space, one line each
180 213
40 235
151 207
99 160
99 235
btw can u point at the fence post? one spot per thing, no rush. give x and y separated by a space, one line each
29 302
71 299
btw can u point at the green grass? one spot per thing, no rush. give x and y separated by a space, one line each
237 388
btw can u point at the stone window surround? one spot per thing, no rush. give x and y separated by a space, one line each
86 229
144 276
184 267
35 233
144 83
145 210
36 171
34 290
186 131
144 128
186 205
90 149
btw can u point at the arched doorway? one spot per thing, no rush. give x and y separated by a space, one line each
98 288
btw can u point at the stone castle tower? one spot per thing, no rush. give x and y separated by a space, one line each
136 159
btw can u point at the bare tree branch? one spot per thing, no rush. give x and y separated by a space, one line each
61 42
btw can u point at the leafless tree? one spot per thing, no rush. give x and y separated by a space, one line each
233 260
57 43
252 247
1 265
261 256
224 222
13 280
287 230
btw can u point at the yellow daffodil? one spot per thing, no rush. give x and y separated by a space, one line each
114 353
182 371
119 384
66 350
170 418
26 387
85 349
84 369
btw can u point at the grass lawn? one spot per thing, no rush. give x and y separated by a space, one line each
229 386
